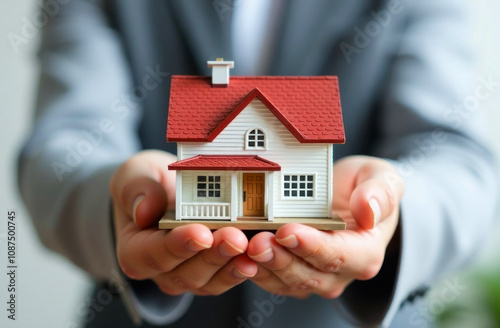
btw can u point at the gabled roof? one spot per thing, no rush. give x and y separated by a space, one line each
225 163
309 107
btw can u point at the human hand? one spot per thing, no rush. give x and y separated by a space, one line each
188 258
299 261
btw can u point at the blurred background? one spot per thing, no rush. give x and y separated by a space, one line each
53 293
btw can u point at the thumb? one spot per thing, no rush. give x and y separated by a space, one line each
142 189
378 192
144 200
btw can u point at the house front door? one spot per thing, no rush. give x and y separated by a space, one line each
253 194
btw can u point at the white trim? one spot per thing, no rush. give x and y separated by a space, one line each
240 194
256 147
178 191
179 151
270 196
329 180
282 191
234 195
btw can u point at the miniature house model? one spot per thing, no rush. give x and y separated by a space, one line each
253 147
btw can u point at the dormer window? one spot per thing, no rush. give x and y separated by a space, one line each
255 139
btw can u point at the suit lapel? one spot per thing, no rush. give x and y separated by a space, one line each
206 28
309 30
306 35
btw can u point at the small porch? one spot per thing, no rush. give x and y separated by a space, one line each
224 188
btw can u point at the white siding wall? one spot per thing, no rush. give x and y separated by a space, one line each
283 149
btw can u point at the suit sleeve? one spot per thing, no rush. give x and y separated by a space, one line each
85 126
431 129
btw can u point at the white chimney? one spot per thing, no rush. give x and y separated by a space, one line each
220 71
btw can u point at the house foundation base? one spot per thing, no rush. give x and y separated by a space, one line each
335 223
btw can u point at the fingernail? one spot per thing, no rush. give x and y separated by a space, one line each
377 213
137 201
228 249
240 274
289 241
265 256
196 246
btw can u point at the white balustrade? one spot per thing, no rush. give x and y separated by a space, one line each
206 211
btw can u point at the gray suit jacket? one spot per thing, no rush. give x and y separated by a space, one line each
406 95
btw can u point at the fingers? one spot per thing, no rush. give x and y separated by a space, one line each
143 188
188 258
234 273
282 272
201 274
148 253
358 254
377 189
144 200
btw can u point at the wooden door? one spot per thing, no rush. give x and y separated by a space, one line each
253 194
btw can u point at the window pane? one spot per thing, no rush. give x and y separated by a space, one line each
217 178
300 185
202 178
255 139
202 186
210 193
210 179
217 186
217 194
210 186
202 193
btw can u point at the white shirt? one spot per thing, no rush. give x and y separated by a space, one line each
254 28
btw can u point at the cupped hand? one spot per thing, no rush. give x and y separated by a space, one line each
187 259
299 261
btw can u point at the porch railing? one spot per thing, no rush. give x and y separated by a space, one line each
206 211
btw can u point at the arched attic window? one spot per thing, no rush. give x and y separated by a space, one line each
255 139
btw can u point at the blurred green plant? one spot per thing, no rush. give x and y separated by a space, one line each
479 307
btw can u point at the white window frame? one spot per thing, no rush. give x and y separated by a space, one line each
208 175
247 136
298 175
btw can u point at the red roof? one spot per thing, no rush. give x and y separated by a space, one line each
309 107
225 163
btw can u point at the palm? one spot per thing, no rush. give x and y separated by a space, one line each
300 260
